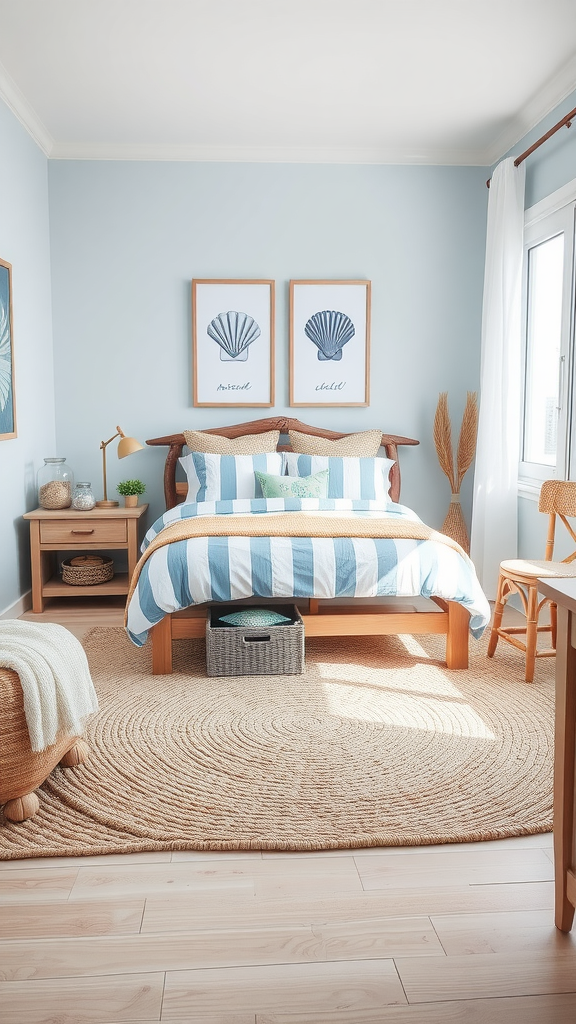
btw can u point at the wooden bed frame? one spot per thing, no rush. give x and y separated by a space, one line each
321 619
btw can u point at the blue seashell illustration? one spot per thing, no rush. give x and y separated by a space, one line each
5 357
233 332
329 330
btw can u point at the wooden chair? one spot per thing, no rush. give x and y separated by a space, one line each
519 576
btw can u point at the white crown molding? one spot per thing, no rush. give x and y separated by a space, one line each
549 96
263 154
555 90
26 114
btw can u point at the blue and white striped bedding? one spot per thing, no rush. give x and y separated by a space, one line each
204 569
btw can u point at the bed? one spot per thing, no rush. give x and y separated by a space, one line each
178 576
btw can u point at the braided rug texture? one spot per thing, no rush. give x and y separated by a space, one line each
376 744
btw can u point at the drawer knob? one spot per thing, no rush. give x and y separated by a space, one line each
82 531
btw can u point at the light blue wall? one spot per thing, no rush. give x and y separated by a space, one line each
24 243
127 239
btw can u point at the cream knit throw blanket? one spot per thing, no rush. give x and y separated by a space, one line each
54 675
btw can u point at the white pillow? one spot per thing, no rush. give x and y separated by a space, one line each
358 479
223 477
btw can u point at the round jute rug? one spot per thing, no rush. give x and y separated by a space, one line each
376 744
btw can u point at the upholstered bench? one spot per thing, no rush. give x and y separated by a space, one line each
22 770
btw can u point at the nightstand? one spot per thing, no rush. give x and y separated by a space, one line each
67 529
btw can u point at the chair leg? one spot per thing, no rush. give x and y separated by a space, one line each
553 622
497 620
531 632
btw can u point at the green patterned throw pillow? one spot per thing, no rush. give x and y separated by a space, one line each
314 486
254 617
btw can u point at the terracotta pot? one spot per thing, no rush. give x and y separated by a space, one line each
130 500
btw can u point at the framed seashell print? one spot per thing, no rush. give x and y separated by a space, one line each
233 342
329 343
7 397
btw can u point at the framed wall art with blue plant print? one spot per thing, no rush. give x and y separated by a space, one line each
233 342
329 342
7 396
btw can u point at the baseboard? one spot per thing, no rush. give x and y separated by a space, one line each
13 611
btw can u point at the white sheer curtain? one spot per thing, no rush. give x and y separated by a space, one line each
494 532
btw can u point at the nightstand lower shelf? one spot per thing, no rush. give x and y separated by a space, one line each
55 587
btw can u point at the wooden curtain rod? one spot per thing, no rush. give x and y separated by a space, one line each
566 121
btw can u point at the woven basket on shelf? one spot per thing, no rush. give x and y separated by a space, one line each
87 570
22 769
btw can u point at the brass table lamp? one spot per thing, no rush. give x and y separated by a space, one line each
126 446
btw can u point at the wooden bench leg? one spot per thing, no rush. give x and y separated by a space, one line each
21 808
162 647
79 753
457 638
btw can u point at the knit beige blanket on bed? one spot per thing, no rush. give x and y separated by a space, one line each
292 524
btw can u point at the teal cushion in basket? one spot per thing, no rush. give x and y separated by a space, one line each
314 486
255 617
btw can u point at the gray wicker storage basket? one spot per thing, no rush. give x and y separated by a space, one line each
243 651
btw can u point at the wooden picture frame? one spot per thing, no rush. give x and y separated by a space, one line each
233 342
7 385
330 343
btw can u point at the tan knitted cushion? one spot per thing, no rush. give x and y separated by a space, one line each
248 444
365 444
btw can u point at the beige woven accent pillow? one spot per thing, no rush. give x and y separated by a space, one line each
248 444
365 444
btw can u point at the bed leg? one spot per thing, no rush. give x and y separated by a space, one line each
457 638
162 647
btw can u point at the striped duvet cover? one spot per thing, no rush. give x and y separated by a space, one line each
206 569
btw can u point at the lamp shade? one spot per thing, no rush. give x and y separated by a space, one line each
127 446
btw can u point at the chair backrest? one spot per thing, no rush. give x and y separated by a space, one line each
558 499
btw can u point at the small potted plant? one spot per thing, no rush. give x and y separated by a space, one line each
130 490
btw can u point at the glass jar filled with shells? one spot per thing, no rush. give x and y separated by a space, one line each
83 497
55 484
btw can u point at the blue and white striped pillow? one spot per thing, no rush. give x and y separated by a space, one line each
357 479
224 477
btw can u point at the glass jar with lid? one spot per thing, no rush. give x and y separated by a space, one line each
82 496
55 484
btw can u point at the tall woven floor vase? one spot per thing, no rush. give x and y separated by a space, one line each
454 524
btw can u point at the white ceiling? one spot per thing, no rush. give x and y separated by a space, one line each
376 81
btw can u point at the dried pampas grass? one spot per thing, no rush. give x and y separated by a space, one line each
454 525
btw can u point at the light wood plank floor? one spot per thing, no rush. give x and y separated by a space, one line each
459 934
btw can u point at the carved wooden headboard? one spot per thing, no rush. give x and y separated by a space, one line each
175 491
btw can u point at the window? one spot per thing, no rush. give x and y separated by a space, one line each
548 385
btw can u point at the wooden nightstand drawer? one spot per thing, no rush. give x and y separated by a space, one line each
83 531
